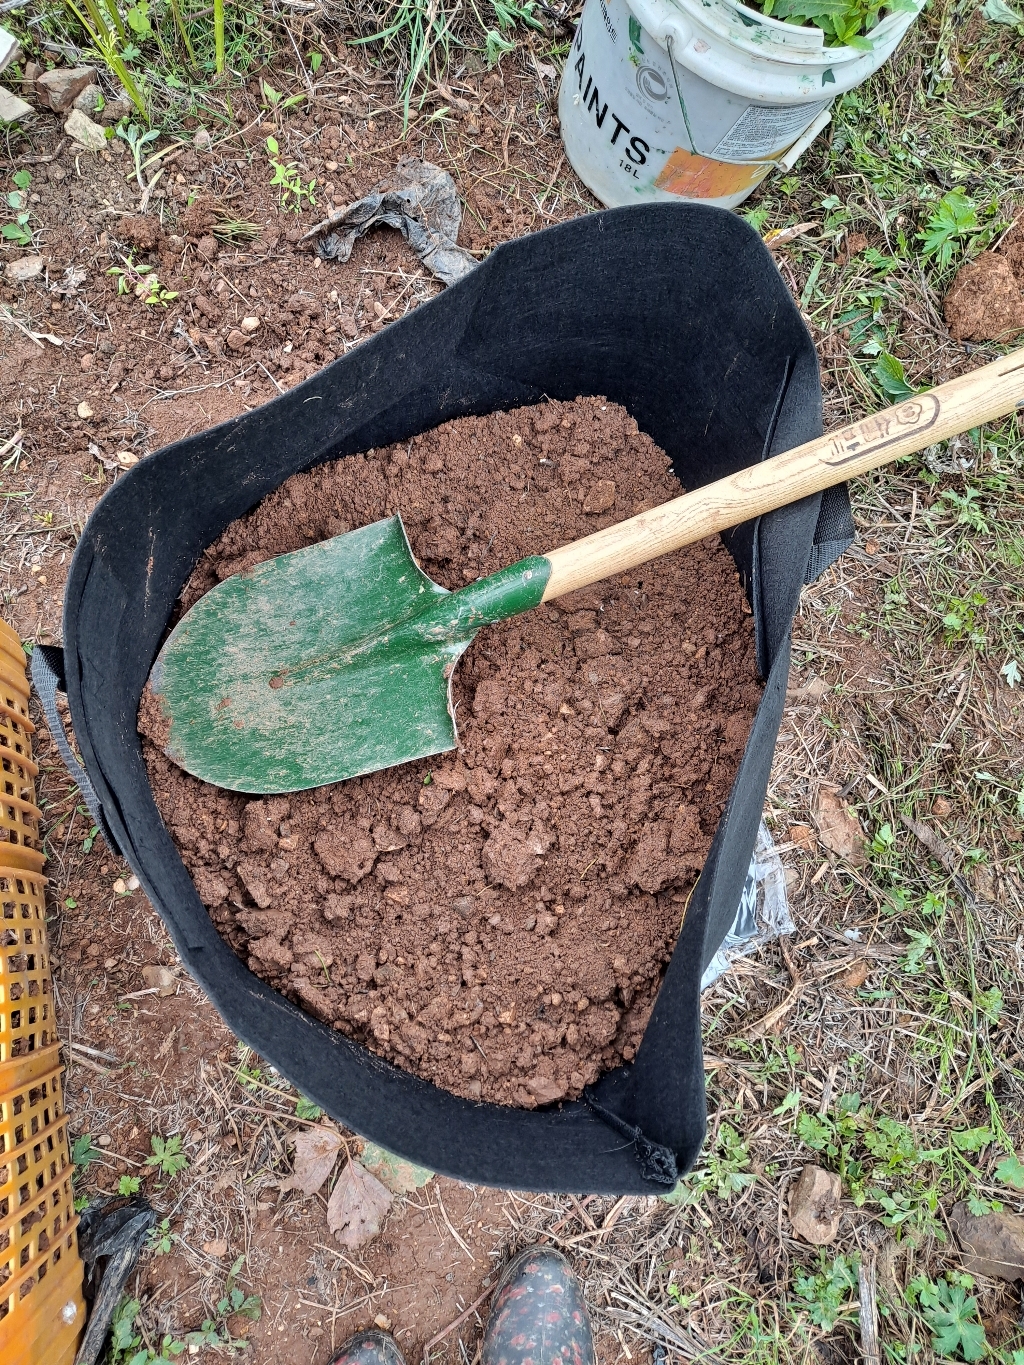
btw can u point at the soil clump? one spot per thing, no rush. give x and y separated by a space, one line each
496 920
986 299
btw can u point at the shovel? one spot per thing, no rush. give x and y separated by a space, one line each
337 660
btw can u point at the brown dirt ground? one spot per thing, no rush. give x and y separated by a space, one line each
496 921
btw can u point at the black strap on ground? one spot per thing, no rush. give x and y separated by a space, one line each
47 668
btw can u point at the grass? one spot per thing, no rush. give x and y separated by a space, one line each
170 58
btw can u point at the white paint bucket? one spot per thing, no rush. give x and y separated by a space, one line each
700 99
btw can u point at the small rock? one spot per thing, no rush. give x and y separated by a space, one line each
383 1322
133 883
84 410
250 324
13 109
125 458
601 496
88 134
545 1089
90 101
207 248
202 141
815 1205
237 340
58 89
24 269
31 73
119 887
114 111
9 48
110 963
104 1140
216 1249
993 1244
88 360
160 977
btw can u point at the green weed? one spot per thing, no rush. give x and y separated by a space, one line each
423 36
843 22
951 1316
143 283
18 231
826 1294
167 1155
129 1346
726 1171
286 177
160 1238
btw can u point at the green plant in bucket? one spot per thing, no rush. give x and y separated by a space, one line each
845 23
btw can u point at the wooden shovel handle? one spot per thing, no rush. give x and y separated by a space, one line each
981 396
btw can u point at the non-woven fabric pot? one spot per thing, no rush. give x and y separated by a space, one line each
678 313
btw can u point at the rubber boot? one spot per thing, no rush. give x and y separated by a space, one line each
538 1316
369 1348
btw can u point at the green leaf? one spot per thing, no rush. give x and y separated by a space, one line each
22 179
167 1154
1011 672
1010 1172
306 1109
890 375
83 1153
971 1139
952 1317
998 12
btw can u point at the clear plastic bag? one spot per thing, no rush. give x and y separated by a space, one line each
763 911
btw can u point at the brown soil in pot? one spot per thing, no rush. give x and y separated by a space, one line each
497 919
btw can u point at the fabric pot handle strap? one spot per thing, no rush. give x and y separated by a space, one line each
48 678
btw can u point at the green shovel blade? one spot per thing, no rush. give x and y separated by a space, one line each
325 664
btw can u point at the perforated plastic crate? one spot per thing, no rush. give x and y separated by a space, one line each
41 1309
19 818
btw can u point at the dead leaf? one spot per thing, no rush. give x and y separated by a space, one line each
932 842
316 1150
839 828
803 837
856 974
357 1206
400 1176
815 1205
217 1249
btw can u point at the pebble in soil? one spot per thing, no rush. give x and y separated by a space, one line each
496 920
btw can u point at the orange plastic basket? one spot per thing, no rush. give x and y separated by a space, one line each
41 1309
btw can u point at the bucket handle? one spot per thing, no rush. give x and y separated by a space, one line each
48 678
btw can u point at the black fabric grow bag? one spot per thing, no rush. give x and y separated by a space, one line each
678 313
